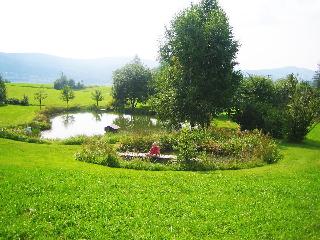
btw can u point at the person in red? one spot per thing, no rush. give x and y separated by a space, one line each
154 150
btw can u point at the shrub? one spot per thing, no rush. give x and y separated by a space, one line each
77 140
203 149
19 134
145 164
98 152
302 112
15 101
136 143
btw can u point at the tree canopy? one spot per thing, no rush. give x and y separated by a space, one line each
198 58
39 96
97 96
316 78
130 84
285 108
67 94
63 81
3 91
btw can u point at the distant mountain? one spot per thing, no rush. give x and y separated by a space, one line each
276 73
43 68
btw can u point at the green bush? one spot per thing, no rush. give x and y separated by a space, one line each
197 150
19 134
77 140
136 143
209 149
145 164
98 152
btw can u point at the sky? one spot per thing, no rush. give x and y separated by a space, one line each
272 33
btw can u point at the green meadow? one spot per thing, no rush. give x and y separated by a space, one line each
11 115
82 97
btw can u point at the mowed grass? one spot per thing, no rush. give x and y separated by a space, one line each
82 97
46 194
12 115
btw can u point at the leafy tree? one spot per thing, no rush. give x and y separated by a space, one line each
97 96
3 91
25 100
255 106
63 81
198 59
39 96
316 78
302 112
287 108
67 94
130 84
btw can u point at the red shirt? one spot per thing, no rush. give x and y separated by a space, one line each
155 150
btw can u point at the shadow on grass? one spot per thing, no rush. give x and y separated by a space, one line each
306 144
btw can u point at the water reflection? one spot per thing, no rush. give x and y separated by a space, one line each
135 122
67 120
97 115
93 123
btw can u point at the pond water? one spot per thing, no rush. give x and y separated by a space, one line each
90 124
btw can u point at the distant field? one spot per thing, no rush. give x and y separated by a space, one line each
82 97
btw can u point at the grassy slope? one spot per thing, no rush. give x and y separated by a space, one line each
82 97
12 115
45 193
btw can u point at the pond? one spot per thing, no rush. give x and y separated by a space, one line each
90 124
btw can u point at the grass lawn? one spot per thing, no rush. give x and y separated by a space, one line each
45 193
82 97
12 115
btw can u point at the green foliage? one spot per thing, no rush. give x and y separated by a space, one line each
3 91
63 81
197 78
77 140
67 94
257 106
136 143
146 164
19 134
218 148
14 101
98 152
316 78
97 96
40 95
130 84
303 112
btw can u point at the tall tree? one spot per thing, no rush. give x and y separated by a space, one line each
3 91
130 84
97 96
39 96
316 78
198 58
67 94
